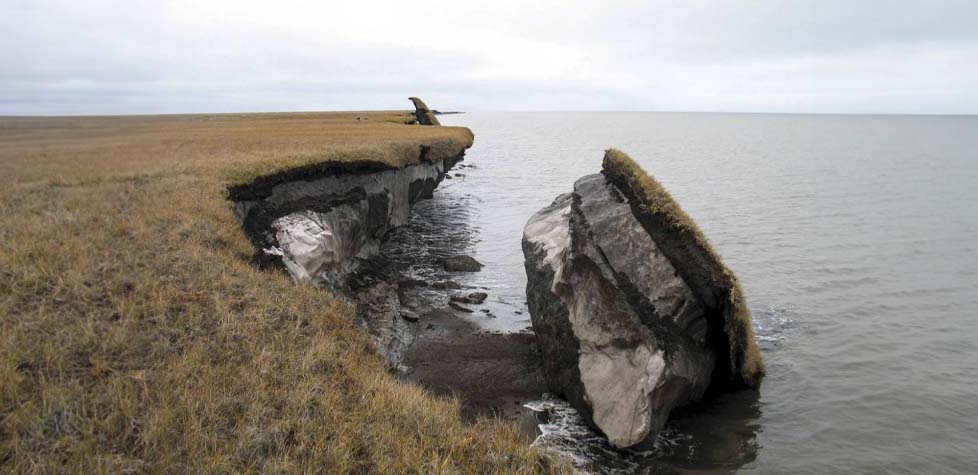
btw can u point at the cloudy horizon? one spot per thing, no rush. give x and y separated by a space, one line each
143 57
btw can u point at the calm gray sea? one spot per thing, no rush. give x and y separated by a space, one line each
855 239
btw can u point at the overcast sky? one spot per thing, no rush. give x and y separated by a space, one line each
135 56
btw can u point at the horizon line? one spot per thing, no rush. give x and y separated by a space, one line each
494 111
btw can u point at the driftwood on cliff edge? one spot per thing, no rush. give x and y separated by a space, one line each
422 114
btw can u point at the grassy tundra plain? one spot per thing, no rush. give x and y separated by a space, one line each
136 336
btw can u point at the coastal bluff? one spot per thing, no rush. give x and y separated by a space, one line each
325 224
634 313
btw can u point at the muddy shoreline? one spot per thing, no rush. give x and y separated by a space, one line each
451 352
493 374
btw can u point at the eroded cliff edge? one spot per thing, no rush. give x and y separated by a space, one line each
634 313
324 224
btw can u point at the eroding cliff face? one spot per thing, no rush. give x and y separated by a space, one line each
323 228
327 230
623 336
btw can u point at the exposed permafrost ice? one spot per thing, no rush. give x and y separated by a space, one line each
322 228
322 245
621 333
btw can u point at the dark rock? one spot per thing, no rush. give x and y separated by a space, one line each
477 297
410 316
446 284
410 283
624 337
462 264
474 298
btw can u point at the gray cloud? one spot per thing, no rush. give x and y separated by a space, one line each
63 57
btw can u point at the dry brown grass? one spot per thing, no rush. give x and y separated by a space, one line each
236 147
702 267
136 337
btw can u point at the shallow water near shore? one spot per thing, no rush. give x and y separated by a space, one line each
855 240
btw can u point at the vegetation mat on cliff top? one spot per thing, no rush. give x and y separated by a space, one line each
135 336
681 240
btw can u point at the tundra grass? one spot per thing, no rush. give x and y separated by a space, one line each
681 240
136 337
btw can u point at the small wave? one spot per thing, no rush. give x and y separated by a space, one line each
565 433
772 324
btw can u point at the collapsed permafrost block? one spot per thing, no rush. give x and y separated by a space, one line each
634 313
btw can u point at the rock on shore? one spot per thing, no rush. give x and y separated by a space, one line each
634 314
462 264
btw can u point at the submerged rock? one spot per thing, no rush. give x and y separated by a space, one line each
477 297
473 298
634 313
462 264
